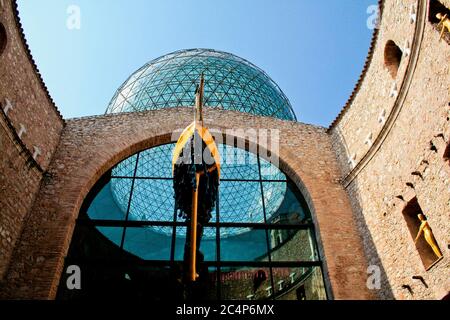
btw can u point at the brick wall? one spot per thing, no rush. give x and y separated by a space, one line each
90 146
29 131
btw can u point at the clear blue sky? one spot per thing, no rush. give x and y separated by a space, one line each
314 50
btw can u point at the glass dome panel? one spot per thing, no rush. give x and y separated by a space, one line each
231 83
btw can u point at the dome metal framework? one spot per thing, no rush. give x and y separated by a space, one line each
231 83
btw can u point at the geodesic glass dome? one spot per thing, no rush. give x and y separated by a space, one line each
231 83
128 236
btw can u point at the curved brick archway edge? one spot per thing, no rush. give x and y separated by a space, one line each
91 146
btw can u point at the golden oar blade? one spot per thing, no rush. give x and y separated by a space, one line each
207 138
184 138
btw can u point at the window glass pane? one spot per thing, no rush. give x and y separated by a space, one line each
240 202
291 245
207 245
283 204
237 163
274 194
149 243
152 200
285 281
180 242
243 244
90 242
125 168
112 201
245 283
299 283
270 172
161 155
114 234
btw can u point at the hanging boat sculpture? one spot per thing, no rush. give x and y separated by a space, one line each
196 175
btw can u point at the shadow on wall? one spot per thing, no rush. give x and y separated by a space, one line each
370 251
372 256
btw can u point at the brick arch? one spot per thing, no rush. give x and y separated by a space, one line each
91 146
127 152
165 138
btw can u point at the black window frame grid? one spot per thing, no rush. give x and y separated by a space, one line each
84 220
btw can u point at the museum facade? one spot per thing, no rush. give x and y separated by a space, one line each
358 210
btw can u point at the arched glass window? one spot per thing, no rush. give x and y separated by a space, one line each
259 245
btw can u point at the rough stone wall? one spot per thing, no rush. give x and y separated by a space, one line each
29 131
18 185
90 146
416 119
